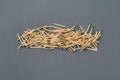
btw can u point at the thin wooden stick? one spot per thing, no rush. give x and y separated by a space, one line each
59 36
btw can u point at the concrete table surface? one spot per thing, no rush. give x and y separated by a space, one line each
39 64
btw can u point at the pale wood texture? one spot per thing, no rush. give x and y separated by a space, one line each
60 36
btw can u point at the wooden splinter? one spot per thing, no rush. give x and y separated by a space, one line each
60 36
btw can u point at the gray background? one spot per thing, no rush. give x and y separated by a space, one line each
39 64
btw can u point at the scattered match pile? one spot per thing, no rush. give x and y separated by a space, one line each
60 36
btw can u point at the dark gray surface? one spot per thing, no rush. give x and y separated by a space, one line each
39 64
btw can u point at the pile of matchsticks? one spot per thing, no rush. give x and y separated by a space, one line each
60 36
